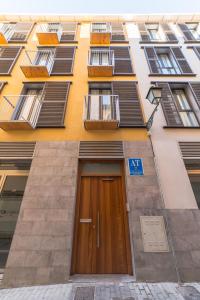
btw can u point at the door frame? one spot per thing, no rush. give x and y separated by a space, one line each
129 248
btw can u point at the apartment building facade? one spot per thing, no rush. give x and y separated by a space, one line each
85 188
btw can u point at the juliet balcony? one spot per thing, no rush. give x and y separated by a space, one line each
38 63
101 112
100 63
20 112
49 33
6 31
100 33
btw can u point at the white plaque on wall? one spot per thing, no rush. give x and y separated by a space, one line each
154 234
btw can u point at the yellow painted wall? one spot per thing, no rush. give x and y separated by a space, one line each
74 129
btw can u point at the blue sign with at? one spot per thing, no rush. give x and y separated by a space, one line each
135 166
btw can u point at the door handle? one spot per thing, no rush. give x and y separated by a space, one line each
98 229
85 220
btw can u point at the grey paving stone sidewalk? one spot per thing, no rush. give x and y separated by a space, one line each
105 291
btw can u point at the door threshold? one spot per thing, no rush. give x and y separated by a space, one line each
101 278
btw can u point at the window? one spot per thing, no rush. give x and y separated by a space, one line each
7 29
167 63
12 191
195 183
153 31
185 111
53 27
194 28
44 58
100 104
29 106
100 57
100 27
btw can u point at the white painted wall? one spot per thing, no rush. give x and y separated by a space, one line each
174 181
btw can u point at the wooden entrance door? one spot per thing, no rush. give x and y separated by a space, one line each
101 243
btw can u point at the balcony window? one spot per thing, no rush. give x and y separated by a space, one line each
44 58
167 63
195 183
21 112
100 62
184 108
7 30
194 28
38 63
100 33
101 109
100 27
49 33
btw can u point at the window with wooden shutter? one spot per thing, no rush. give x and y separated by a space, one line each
191 34
183 64
68 32
195 87
117 32
21 32
8 57
169 108
177 105
123 64
2 83
63 61
129 103
170 36
167 61
156 33
143 32
197 51
54 104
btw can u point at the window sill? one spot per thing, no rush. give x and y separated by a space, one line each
119 42
171 75
68 42
159 42
180 127
192 42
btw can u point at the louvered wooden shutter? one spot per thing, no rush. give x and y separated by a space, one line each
8 56
117 32
52 113
187 34
63 61
197 51
129 103
123 64
2 83
68 32
152 59
21 32
169 33
195 87
143 32
168 105
183 64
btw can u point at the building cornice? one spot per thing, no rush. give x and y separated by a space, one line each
101 17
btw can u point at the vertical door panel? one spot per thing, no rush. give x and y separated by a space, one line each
112 250
86 244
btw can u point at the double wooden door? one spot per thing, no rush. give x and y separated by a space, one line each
101 243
